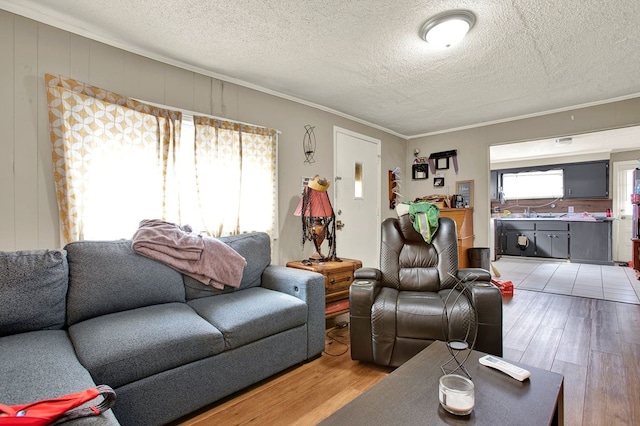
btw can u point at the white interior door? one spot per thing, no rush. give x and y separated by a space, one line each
622 210
357 196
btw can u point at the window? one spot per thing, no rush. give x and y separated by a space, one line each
537 184
357 178
118 161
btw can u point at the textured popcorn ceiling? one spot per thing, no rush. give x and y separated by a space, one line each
365 59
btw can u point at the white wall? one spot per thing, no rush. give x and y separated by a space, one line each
28 209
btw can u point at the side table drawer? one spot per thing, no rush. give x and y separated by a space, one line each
338 281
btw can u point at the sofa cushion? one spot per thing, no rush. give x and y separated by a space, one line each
42 365
108 276
245 316
123 347
255 247
33 290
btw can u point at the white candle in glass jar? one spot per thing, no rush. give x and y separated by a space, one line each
456 394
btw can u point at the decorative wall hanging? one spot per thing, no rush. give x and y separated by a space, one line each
309 144
440 160
438 181
464 188
394 186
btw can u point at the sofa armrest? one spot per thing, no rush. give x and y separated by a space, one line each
309 287
362 294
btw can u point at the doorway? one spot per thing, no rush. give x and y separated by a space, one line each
622 209
357 191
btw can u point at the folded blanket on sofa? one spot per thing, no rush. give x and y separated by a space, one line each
205 259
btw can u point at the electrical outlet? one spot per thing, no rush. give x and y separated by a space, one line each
570 209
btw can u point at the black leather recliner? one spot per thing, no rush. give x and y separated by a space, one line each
397 311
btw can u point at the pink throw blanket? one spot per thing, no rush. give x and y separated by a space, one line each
205 259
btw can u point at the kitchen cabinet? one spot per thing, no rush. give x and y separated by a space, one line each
578 241
552 239
591 242
586 180
514 234
494 185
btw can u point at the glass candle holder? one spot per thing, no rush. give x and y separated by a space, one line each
456 394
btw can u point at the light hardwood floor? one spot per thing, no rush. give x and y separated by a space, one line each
595 344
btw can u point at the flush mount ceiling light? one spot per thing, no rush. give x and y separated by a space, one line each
448 28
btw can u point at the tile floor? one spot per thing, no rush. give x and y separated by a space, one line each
615 283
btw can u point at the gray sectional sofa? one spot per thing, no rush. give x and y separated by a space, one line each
98 313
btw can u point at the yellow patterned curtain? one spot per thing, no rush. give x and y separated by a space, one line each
113 160
235 168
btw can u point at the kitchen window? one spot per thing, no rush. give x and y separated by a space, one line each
531 185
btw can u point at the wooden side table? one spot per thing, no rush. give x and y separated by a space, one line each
338 277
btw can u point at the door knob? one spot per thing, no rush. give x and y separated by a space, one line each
339 224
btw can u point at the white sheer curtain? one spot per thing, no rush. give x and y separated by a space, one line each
235 177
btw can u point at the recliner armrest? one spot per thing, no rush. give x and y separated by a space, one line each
471 274
362 294
367 274
487 301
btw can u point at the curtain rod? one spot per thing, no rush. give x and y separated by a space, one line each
192 113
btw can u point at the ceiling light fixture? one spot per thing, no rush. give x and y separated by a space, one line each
447 28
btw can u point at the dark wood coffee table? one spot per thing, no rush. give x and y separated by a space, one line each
409 396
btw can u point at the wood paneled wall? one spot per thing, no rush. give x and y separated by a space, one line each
28 214
29 49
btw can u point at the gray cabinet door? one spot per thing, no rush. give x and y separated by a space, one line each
591 242
552 239
552 244
512 230
586 180
514 246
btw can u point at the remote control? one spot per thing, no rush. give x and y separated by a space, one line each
510 369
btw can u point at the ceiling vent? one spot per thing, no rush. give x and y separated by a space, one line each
564 141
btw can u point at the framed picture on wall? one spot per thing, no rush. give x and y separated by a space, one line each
442 163
419 171
465 189
438 181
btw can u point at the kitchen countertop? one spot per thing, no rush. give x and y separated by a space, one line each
573 218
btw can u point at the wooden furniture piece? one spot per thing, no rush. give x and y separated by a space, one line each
409 396
338 277
464 227
636 256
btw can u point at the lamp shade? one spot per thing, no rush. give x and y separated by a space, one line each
318 204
